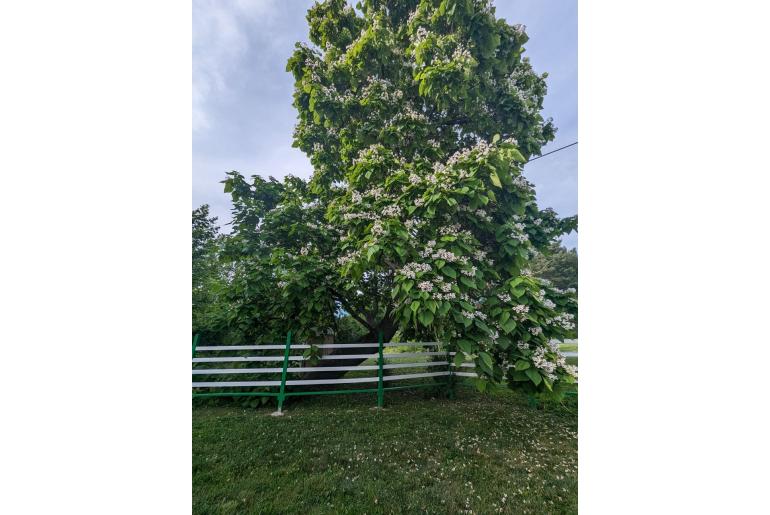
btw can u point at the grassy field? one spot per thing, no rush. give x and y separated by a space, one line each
478 453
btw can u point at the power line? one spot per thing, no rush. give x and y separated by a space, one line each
552 151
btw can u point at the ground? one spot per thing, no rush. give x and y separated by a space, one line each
478 453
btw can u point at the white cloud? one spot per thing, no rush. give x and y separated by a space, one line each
219 34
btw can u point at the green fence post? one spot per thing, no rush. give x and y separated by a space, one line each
451 380
380 391
282 392
195 342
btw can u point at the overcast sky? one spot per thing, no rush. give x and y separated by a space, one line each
242 117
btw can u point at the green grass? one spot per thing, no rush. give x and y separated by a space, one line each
490 453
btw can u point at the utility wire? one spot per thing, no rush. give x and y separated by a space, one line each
552 151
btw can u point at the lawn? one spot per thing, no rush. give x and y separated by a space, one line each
478 453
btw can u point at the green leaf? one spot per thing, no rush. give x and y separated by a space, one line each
467 281
449 271
547 384
522 364
465 345
481 384
481 325
509 326
415 305
486 358
459 359
495 138
517 155
533 375
495 179
426 317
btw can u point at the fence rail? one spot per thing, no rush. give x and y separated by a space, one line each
383 363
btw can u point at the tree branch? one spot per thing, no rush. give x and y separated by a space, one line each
347 307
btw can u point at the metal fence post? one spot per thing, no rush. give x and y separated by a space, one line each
195 343
380 390
451 378
282 392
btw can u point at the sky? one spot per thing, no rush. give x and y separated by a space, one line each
242 117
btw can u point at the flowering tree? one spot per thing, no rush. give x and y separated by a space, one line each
417 116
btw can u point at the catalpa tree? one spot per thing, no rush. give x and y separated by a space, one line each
417 116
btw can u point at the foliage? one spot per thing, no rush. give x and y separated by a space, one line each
418 117
209 280
559 265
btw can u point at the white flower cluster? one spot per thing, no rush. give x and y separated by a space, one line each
414 223
505 297
511 141
317 147
412 16
565 321
305 250
482 149
383 89
282 284
411 269
462 55
471 272
414 178
371 153
393 210
520 309
518 233
426 286
348 258
420 36
536 331
377 228
521 183
549 304
454 230
359 216
410 114
541 362
445 292
419 202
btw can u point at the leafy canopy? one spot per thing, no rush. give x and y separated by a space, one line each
417 117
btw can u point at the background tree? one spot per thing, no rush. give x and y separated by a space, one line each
417 117
209 278
559 265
